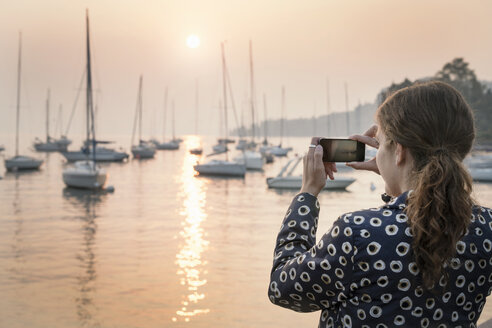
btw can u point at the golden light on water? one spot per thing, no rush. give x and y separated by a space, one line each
191 267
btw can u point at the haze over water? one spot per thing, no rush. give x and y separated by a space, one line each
166 249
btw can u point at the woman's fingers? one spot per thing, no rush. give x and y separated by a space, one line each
368 137
370 165
371 132
366 140
330 168
314 177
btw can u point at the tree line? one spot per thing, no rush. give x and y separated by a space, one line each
462 77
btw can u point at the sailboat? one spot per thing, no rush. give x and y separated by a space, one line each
91 149
289 181
20 162
166 145
221 167
250 157
143 149
197 150
51 144
279 150
265 148
86 174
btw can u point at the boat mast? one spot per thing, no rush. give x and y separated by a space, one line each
252 91
89 103
60 119
174 128
18 97
225 93
282 114
165 114
48 117
265 142
140 105
347 109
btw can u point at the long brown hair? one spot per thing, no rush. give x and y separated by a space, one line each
434 122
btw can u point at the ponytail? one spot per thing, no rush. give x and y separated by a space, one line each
439 211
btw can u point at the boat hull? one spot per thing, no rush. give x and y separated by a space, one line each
481 174
196 151
253 161
73 156
279 151
221 168
84 178
295 182
167 146
22 163
50 147
143 152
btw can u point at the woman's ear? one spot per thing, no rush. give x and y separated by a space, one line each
400 154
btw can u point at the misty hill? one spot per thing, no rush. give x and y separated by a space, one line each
457 73
333 125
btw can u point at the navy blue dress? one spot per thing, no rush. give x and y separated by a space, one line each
362 272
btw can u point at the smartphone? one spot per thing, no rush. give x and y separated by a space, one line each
342 150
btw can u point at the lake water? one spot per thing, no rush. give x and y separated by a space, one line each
166 249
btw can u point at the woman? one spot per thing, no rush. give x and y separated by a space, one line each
421 260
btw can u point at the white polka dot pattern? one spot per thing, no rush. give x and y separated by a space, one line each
362 272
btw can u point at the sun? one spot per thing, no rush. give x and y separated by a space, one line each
193 41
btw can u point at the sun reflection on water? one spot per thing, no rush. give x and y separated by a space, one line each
191 266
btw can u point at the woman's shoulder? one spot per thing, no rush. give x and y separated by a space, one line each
388 213
482 211
481 217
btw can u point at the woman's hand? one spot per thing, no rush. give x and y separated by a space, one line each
315 171
368 139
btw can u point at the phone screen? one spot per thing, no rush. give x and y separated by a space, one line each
342 150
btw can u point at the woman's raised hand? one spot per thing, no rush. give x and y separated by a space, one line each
368 139
315 170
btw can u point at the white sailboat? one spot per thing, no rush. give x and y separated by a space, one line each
51 144
250 157
265 148
278 150
289 181
86 174
166 145
101 154
220 167
91 149
20 162
143 149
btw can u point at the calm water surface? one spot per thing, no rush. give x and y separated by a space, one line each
166 249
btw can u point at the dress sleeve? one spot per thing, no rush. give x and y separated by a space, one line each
306 276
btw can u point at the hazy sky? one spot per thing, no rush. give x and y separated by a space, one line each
299 44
